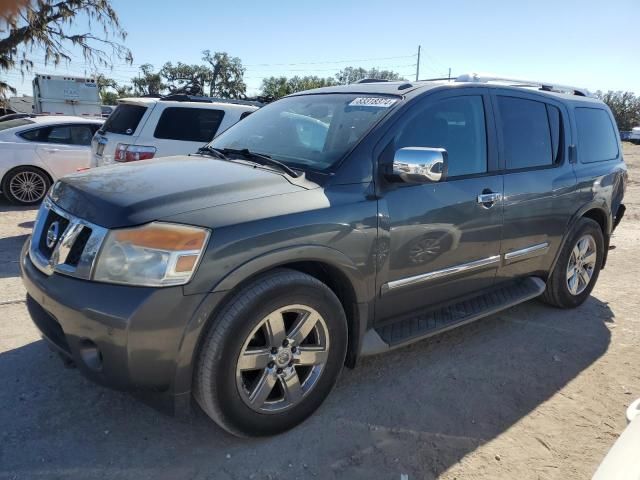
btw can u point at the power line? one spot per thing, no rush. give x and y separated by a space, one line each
327 62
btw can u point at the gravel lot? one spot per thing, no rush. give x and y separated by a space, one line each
533 392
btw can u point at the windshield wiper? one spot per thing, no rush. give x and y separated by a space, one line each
216 152
261 159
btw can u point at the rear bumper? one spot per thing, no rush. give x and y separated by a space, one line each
127 338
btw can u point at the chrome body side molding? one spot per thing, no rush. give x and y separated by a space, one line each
445 272
509 258
526 253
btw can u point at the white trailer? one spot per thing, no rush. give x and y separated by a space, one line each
62 95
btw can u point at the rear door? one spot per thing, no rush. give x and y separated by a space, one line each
64 148
534 136
180 130
124 125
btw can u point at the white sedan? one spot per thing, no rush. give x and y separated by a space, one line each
35 151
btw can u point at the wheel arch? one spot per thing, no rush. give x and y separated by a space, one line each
328 265
597 213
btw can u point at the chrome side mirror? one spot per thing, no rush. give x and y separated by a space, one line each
420 164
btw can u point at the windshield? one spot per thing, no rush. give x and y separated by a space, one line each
308 131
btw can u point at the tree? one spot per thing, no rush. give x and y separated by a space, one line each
351 75
147 82
625 107
277 87
226 75
182 77
51 26
107 88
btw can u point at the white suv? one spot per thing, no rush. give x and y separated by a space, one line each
144 128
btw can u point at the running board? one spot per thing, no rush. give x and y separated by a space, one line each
426 323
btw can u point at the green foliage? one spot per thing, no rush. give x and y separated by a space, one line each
45 25
625 107
226 75
107 90
277 87
148 82
350 75
220 76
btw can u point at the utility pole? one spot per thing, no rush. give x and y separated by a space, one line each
418 64
449 73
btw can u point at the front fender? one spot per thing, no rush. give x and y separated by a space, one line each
301 253
363 287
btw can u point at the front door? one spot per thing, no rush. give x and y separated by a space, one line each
443 238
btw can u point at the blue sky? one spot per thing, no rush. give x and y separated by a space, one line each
584 43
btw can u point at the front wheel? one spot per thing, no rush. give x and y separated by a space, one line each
578 266
273 354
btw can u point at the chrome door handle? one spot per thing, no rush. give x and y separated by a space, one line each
51 150
488 199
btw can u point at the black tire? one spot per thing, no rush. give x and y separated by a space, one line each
41 184
557 292
215 387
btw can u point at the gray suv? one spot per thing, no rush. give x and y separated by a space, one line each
329 225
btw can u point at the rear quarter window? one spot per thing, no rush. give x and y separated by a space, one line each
597 140
125 119
188 124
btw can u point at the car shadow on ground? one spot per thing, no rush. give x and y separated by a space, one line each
5 206
417 410
10 255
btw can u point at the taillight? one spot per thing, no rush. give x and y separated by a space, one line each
133 153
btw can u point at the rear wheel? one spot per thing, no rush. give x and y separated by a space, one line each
272 355
25 185
578 266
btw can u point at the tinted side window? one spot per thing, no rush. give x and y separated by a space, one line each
525 133
455 124
596 136
70 135
188 124
35 134
125 119
555 125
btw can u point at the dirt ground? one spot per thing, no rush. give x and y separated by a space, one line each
530 393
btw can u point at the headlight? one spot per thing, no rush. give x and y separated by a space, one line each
154 255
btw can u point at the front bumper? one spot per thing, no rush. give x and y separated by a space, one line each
127 338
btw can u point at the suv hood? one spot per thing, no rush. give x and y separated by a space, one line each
136 193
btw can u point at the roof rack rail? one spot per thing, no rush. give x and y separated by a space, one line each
516 82
182 97
372 80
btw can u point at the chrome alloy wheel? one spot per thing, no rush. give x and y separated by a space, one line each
28 186
582 263
282 359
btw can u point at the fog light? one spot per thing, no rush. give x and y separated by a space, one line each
91 355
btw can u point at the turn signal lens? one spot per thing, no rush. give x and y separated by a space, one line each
163 236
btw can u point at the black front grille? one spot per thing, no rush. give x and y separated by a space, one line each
78 247
63 224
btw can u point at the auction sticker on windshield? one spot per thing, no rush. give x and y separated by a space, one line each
372 102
